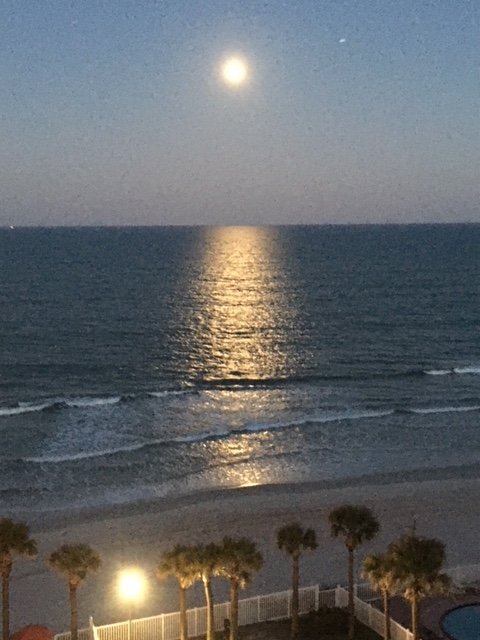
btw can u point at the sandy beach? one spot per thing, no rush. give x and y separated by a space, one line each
443 504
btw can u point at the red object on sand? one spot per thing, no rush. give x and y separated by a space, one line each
33 632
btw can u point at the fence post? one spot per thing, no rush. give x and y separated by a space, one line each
258 608
163 627
317 597
337 595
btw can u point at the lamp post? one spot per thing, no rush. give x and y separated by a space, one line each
131 587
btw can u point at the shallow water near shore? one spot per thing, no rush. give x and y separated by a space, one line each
141 364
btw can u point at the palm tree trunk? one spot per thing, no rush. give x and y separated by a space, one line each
233 610
6 605
351 605
209 600
386 613
72 591
295 605
415 616
183 614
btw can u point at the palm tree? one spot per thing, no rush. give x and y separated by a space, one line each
239 560
357 524
205 559
417 568
74 562
292 539
180 563
378 569
14 541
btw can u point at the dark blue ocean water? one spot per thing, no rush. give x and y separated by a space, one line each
142 362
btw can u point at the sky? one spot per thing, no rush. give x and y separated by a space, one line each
114 112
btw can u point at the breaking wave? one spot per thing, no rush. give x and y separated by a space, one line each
83 402
248 429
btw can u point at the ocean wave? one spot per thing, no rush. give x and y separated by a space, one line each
439 372
91 402
348 415
58 403
100 453
209 436
299 379
24 408
467 370
170 392
236 383
200 437
453 370
428 410
252 428
82 402
332 417
84 455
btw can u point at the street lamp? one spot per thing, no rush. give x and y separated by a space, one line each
131 587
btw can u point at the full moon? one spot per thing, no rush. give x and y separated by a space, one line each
234 71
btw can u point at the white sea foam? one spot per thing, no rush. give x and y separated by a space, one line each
474 370
204 436
353 414
166 393
252 428
24 408
330 417
446 409
439 372
456 370
83 455
209 435
73 403
91 402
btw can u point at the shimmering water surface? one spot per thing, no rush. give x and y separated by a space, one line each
142 362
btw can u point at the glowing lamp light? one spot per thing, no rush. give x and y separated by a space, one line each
131 588
131 585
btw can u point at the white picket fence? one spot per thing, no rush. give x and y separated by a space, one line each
375 619
370 615
274 606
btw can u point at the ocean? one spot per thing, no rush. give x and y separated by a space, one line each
138 363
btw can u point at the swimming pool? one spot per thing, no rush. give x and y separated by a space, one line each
462 623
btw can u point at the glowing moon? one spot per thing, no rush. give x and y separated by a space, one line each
234 71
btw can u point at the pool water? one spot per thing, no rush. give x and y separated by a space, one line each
463 623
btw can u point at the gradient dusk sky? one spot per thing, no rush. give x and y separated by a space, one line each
113 112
